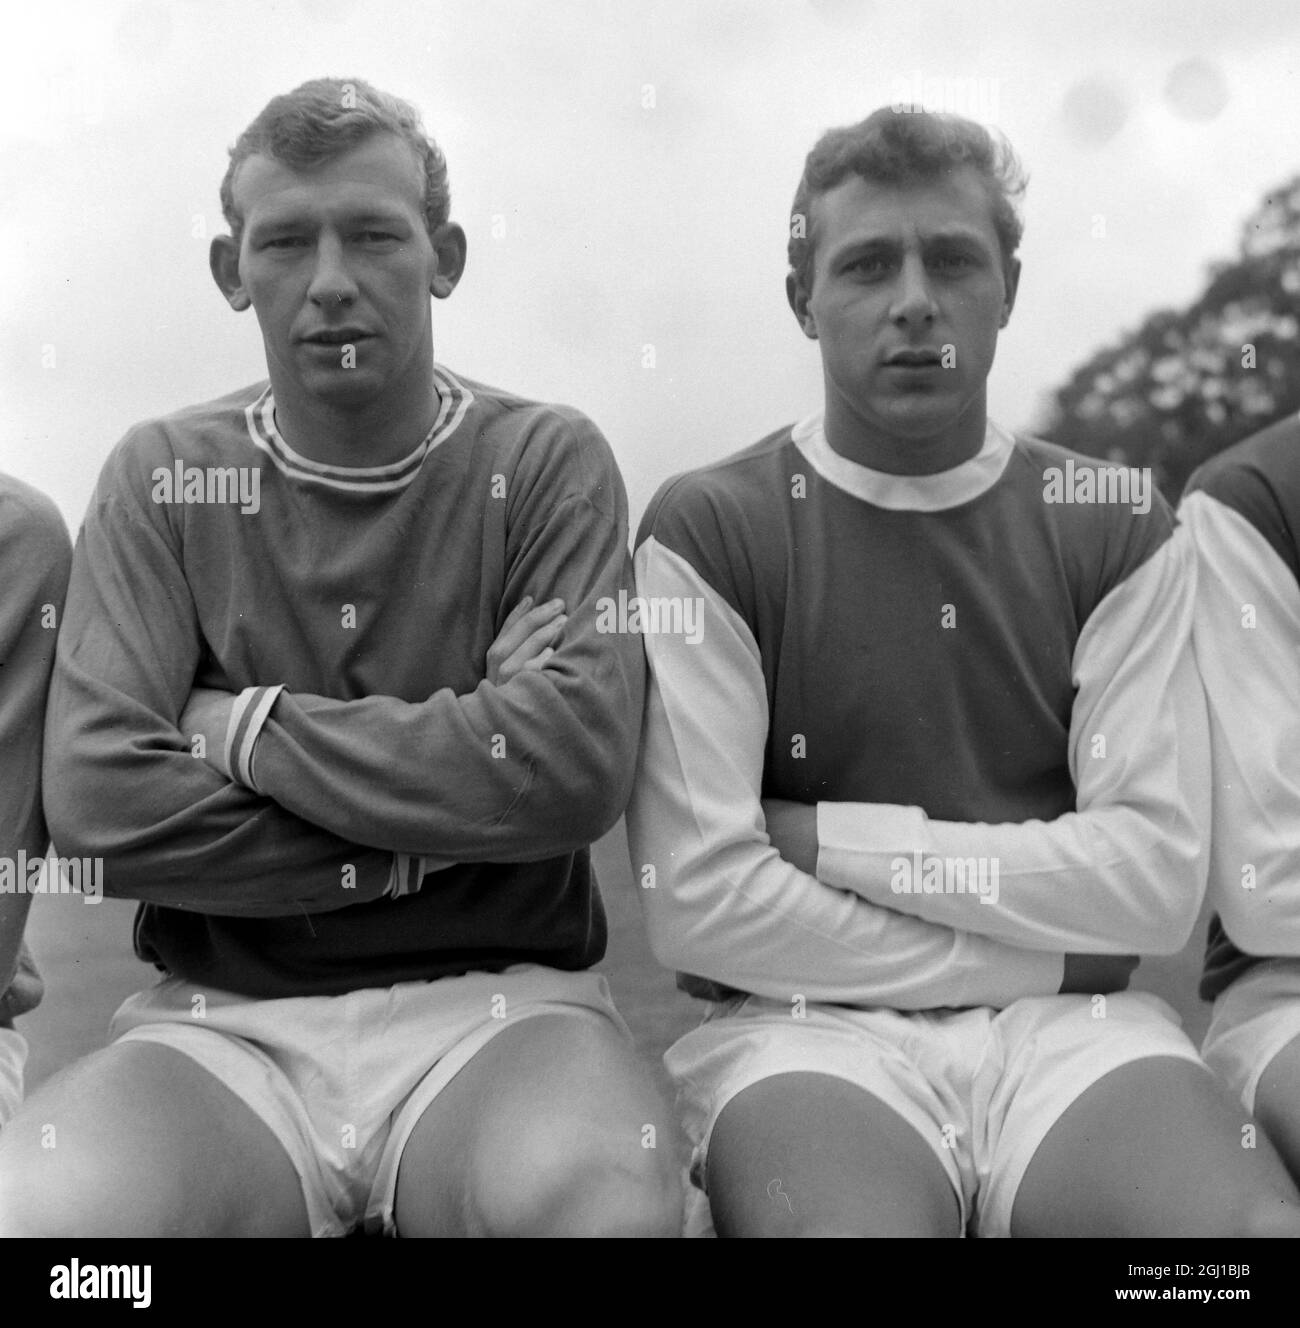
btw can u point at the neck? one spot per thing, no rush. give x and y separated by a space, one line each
868 445
372 433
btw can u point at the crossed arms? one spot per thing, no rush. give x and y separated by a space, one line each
803 902
346 789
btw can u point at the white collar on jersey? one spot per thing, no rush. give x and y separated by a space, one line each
454 399
915 493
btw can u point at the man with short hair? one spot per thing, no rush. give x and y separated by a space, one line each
933 772
333 705
35 554
1242 511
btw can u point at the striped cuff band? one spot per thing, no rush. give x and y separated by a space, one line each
248 714
404 879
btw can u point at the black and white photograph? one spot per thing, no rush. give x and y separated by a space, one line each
661 619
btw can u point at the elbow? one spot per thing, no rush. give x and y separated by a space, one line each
603 800
70 832
681 940
72 840
80 827
1166 927
672 948
1168 933
592 795
667 926
1158 891
609 801
573 822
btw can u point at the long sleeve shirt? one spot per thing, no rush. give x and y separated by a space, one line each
350 609
963 677
35 554
1242 510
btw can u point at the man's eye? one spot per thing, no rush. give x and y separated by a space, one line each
952 262
285 242
376 237
868 267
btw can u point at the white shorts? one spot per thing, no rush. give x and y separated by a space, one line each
983 1087
1253 1020
13 1056
341 1081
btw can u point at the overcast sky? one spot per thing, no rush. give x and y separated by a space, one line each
624 170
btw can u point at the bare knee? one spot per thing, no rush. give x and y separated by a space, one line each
1266 1217
138 1140
565 1179
53 1190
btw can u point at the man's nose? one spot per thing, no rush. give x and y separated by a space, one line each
913 297
331 282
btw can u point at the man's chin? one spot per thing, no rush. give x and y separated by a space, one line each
343 389
918 415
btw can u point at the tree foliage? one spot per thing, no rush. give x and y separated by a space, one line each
1187 384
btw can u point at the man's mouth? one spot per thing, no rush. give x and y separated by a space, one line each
913 359
336 336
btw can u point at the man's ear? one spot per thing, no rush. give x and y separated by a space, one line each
223 260
1012 284
798 298
449 250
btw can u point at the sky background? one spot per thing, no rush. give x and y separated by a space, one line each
624 170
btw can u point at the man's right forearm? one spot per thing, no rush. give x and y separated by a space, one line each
164 827
223 851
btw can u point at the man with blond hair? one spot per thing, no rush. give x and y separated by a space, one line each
347 735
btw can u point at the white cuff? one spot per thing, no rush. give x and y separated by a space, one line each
852 835
247 716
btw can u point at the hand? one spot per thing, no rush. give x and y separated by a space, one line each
207 712
792 828
1090 975
525 639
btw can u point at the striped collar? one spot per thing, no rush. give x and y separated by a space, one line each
914 493
454 399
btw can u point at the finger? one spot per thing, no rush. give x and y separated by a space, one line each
539 662
513 634
548 608
533 646
522 615
517 612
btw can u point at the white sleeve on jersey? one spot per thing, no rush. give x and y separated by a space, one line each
1247 638
722 903
1125 872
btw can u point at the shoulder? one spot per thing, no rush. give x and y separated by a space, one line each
1105 523
724 501
209 430
1107 515
1259 480
31 516
34 545
1104 492
729 521
1267 461
541 444
507 416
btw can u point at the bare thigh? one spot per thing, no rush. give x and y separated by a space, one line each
140 1140
804 1154
1157 1147
1277 1104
